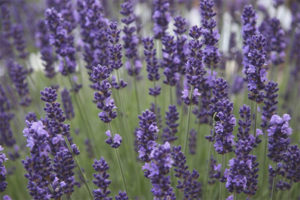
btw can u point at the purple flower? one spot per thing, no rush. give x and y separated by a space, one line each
62 39
171 121
278 137
5 118
115 48
121 196
6 34
161 17
275 42
115 141
169 61
67 104
270 103
102 96
3 182
31 117
47 54
152 64
63 162
211 53
194 70
188 181
94 29
130 38
101 180
181 57
254 66
18 75
292 163
249 23
242 173
157 171
18 36
193 141
146 135
38 166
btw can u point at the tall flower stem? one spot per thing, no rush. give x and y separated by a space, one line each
222 171
83 116
136 95
119 164
273 190
188 122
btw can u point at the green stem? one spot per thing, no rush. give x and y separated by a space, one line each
188 122
273 188
137 96
119 164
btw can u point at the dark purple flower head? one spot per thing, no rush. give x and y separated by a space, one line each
171 121
130 39
152 64
211 36
270 103
115 48
275 42
3 182
161 17
6 136
18 75
47 53
121 196
146 135
207 14
249 23
181 25
188 181
169 61
157 171
254 66
193 141
242 175
94 28
67 104
31 117
292 163
18 35
38 165
114 141
62 39
101 180
278 137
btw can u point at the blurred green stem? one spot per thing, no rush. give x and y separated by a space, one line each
119 164
188 122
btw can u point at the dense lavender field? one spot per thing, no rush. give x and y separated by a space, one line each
139 99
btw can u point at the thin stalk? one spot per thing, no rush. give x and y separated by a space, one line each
188 122
137 96
119 164
273 186
222 170
235 195
83 116
171 95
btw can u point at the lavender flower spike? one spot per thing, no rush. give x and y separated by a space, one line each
3 158
67 104
171 121
146 135
101 180
157 169
38 165
161 17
